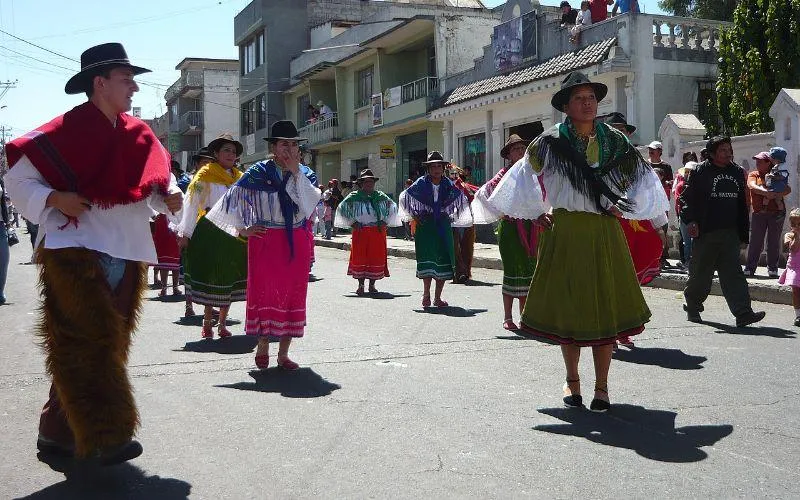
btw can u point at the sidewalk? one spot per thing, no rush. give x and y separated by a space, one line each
487 256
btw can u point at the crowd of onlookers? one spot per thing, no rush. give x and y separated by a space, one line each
592 11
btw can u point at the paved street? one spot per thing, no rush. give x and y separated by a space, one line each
394 402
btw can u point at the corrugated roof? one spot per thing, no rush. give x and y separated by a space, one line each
564 63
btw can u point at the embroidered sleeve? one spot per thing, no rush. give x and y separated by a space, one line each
304 194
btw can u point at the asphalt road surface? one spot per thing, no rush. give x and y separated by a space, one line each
395 402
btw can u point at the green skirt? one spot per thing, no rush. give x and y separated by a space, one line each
584 290
435 254
518 266
215 268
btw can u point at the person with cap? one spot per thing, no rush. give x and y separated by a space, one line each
215 264
91 179
714 208
568 14
690 162
332 197
769 214
325 111
645 238
270 206
584 291
368 212
436 204
463 237
517 239
654 150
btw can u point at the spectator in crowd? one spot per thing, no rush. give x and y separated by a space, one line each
409 233
625 6
689 156
714 208
583 20
769 214
664 171
313 113
568 15
599 9
5 255
704 155
680 182
325 112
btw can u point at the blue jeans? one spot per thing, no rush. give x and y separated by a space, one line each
5 256
687 243
114 269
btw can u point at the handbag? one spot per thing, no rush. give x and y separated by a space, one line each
13 239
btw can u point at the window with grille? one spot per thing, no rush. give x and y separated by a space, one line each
364 88
248 117
261 111
302 110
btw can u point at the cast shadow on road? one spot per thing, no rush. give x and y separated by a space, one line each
238 344
756 331
473 282
674 359
121 481
452 311
197 320
376 295
300 383
650 433
169 298
314 279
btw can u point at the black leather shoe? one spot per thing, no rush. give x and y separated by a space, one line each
600 405
50 447
693 316
573 401
119 454
750 318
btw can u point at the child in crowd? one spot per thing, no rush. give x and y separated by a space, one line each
583 19
791 275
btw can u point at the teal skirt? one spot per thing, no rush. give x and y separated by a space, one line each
584 289
434 249
518 266
215 266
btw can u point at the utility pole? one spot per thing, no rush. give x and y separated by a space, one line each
3 161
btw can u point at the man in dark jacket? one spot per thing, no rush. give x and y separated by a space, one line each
714 208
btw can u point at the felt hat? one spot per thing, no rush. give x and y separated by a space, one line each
512 139
219 141
97 59
366 174
617 118
284 129
434 158
203 153
576 79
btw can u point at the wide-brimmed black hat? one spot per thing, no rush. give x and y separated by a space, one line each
576 79
97 59
513 139
284 129
214 145
366 174
435 157
203 152
617 118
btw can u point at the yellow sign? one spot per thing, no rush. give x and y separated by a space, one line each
387 151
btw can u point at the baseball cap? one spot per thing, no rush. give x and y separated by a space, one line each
764 155
655 145
778 154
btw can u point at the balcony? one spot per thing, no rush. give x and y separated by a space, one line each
189 123
322 131
410 100
190 84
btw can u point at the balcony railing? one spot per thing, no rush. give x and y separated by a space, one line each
191 121
687 33
189 80
424 87
321 131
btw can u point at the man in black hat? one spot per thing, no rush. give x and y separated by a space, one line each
93 206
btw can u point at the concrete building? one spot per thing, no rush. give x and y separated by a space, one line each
653 65
201 105
272 35
380 79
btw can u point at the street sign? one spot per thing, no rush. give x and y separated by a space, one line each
387 151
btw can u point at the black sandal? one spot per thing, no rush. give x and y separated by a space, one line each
573 400
600 405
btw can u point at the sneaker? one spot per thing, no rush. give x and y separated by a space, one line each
797 322
749 272
750 318
773 274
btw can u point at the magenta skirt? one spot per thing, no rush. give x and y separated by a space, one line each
277 283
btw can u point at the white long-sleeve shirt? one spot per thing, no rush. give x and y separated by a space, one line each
205 196
122 231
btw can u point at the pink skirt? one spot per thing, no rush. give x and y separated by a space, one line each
790 276
277 283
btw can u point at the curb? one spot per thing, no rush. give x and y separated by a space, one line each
758 292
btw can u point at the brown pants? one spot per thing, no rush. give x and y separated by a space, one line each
464 246
86 331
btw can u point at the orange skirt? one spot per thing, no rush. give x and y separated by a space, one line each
368 254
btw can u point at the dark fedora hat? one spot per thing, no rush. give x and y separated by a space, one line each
617 118
217 143
512 139
576 79
435 157
366 174
284 129
97 59
203 153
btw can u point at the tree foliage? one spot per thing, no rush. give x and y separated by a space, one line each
721 10
758 57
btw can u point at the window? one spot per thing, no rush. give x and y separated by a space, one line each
261 111
474 149
252 53
356 166
261 49
302 110
705 107
364 88
248 117
432 61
